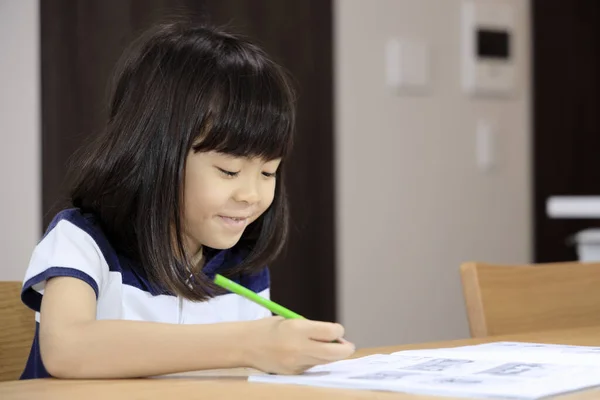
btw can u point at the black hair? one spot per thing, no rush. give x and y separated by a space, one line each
183 87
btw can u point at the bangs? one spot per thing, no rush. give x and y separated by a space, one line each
251 115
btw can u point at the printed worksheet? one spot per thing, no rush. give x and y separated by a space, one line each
510 370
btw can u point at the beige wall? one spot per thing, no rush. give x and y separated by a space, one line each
411 202
19 125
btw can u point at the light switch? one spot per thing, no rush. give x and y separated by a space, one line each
485 145
407 65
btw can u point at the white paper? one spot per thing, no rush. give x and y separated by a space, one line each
509 370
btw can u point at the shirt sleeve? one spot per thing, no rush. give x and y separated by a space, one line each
66 250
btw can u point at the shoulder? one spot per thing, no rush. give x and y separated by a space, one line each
70 236
74 220
74 246
83 229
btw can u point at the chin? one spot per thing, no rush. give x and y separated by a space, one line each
223 244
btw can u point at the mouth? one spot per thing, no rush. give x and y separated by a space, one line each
234 222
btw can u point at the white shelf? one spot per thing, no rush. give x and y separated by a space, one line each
573 207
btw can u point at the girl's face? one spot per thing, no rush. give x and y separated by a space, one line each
223 195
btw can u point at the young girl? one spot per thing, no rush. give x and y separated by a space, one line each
185 181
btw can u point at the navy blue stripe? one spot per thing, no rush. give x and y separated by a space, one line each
132 275
33 299
34 368
257 282
216 263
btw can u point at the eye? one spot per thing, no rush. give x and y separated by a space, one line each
230 174
270 174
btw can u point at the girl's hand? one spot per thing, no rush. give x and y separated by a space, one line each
291 346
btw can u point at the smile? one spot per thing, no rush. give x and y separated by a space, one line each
234 222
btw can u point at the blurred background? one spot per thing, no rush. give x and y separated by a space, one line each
430 133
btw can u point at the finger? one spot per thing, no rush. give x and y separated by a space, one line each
325 331
344 341
340 340
301 365
297 370
329 352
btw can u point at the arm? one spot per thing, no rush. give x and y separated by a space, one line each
74 344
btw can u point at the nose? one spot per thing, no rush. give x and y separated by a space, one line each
247 192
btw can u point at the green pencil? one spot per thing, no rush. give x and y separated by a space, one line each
258 299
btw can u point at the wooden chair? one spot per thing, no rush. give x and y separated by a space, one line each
526 298
17 328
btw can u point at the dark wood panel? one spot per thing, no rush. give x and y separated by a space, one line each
566 140
82 40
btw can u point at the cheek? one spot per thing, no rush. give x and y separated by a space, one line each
267 196
199 201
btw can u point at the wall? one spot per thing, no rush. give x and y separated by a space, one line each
20 126
412 205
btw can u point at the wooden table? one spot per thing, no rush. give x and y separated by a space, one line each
232 384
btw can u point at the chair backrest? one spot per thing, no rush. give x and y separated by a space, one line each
17 328
504 299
